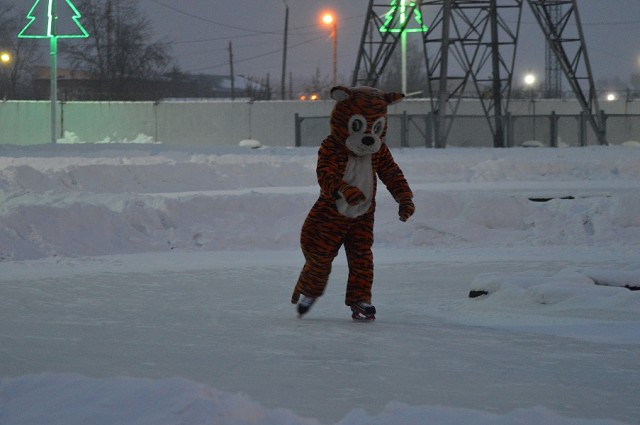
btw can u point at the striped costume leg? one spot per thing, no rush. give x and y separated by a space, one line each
322 235
357 245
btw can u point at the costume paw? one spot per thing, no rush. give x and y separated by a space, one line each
406 210
352 195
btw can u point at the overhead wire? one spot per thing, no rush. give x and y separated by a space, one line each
299 31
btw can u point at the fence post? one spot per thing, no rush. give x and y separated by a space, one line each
298 135
428 133
508 123
403 130
602 139
553 127
582 129
62 102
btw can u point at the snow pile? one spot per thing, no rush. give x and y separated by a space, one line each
74 399
72 138
77 400
96 200
566 291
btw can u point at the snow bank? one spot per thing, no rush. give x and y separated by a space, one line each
77 400
76 200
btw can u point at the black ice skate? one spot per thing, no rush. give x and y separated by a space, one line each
363 312
305 305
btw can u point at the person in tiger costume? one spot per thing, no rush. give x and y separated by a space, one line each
348 161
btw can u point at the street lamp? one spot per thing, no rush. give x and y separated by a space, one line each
530 81
5 59
329 18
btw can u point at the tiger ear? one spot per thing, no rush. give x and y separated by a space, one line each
392 98
340 93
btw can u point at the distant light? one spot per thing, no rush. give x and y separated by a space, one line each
5 57
530 79
312 96
611 97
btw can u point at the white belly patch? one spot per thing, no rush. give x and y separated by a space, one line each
359 173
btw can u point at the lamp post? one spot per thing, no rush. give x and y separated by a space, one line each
530 81
5 60
329 18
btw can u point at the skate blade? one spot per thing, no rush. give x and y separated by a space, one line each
357 317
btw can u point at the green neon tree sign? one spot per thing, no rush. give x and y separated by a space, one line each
391 14
39 15
51 31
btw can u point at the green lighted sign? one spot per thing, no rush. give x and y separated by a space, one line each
35 16
43 23
401 4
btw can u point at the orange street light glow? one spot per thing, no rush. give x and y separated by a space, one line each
328 18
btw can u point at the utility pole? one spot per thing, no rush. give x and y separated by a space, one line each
233 86
53 55
284 51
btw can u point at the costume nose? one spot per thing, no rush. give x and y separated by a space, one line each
368 141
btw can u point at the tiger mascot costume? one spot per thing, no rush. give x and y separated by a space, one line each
348 161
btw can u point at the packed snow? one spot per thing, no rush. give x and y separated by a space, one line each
149 284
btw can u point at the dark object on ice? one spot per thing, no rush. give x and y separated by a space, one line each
549 199
476 294
631 286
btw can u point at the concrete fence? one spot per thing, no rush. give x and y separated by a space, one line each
296 123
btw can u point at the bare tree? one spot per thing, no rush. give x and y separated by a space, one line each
15 74
119 51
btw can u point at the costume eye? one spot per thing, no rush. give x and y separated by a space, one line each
378 126
357 124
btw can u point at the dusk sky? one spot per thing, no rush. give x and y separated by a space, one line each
200 32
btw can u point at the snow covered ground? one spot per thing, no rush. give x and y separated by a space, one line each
150 284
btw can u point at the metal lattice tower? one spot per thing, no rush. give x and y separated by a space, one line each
470 51
566 39
472 44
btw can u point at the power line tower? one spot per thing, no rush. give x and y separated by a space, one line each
565 38
473 43
470 52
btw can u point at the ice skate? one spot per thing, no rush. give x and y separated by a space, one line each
362 311
305 305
